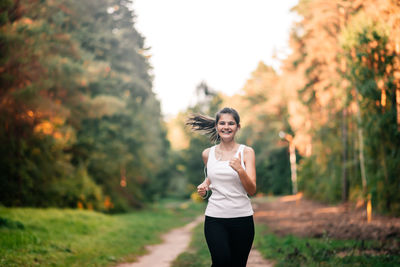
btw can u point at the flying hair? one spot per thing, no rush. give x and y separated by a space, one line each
206 125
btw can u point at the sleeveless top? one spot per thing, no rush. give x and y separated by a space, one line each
229 198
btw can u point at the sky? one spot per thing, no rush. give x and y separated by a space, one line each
220 42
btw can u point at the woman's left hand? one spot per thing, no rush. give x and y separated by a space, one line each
236 163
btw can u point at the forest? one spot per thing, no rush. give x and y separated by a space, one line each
81 127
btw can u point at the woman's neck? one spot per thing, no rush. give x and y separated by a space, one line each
227 145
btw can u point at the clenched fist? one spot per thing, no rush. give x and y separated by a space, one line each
236 163
202 188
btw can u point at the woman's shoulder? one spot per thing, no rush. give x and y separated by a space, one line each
206 151
205 154
248 149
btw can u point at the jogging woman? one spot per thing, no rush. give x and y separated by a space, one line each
231 177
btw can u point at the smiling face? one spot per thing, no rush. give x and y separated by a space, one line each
227 127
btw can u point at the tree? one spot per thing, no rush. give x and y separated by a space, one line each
79 111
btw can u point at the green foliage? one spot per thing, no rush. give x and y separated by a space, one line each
273 171
272 158
365 44
78 188
78 114
357 75
320 176
55 237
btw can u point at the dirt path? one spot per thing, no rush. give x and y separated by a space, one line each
257 260
176 242
161 255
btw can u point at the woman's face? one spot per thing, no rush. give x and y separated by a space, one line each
227 127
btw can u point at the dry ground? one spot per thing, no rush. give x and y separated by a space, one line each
305 218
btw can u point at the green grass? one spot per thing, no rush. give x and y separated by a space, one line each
66 237
295 251
197 255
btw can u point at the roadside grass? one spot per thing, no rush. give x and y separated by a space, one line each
295 251
197 254
68 237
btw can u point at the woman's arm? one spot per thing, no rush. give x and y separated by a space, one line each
248 176
204 155
203 187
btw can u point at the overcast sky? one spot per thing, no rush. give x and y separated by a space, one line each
219 42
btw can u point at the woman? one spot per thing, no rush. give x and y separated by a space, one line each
231 176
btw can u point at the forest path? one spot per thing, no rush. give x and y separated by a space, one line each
257 260
174 243
177 241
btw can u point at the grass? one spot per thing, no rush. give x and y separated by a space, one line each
295 251
67 237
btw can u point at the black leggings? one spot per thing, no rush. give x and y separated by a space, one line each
229 240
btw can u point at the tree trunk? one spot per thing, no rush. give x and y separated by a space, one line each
345 182
361 145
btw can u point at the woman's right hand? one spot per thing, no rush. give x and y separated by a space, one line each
202 188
